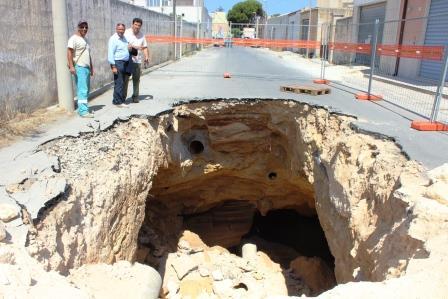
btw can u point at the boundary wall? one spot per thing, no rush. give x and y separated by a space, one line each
28 79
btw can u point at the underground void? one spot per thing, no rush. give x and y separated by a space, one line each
232 198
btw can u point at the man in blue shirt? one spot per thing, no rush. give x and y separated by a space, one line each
118 57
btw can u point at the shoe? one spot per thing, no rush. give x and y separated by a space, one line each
135 100
87 115
122 105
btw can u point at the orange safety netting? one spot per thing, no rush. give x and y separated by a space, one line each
236 41
403 51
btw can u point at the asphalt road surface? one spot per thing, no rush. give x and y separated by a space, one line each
256 73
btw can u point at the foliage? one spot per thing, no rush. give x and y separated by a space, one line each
245 12
237 32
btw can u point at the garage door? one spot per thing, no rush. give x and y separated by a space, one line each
368 15
436 35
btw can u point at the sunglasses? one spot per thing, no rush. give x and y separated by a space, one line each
83 27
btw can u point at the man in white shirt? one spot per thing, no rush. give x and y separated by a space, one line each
138 41
80 65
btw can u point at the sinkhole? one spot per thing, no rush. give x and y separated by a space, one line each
236 198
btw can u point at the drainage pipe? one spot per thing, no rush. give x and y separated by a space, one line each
60 37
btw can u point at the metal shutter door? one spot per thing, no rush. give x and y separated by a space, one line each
436 34
369 14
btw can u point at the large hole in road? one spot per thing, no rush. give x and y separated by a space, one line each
237 198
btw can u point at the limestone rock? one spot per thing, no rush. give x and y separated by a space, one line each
8 212
120 280
438 191
16 276
183 265
314 273
2 232
190 242
7 255
439 174
217 275
204 272
222 288
193 288
172 287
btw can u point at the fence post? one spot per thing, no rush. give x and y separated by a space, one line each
374 45
327 46
439 92
322 56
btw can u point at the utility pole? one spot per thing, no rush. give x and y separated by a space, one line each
309 30
180 35
257 19
175 29
199 19
60 36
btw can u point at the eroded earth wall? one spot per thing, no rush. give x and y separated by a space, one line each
383 216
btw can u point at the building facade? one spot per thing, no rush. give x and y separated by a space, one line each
327 12
193 11
425 24
220 26
306 24
283 27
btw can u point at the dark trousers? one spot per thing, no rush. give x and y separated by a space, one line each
119 77
136 72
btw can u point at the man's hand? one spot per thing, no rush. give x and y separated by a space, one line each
72 70
114 70
130 47
91 72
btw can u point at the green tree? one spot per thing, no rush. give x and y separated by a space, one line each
245 12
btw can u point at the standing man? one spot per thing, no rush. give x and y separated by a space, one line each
118 57
138 41
80 65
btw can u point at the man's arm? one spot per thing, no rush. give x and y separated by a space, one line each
146 54
145 49
70 60
110 54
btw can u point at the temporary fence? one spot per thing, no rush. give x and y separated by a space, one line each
388 60
261 35
382 60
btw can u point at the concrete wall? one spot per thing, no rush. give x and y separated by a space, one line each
28 82
27 78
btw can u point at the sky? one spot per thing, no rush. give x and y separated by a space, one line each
271 6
